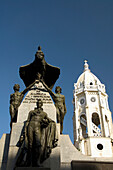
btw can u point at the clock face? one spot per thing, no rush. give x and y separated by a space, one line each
82 101
93 99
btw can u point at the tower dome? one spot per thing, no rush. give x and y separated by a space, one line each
88 80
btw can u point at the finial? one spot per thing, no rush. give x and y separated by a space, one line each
39 48
39 51
86 66
85 61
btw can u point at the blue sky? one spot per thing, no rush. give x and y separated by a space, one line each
69 31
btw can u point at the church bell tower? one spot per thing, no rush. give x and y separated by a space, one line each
92 119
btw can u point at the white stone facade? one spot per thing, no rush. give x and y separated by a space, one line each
92 119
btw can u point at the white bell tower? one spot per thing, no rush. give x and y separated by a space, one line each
92 119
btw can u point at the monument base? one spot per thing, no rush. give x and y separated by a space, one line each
32 168
91 165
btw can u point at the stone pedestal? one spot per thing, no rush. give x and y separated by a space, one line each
32 168
4 148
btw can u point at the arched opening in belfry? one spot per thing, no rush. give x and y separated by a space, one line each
96 127
107 126
83 123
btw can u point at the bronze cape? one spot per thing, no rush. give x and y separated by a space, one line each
29 73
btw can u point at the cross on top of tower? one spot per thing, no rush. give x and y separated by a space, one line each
86 66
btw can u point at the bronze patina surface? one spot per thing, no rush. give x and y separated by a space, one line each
59 100
38 138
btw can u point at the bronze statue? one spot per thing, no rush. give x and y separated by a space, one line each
15 101
59 100
39 138
48 73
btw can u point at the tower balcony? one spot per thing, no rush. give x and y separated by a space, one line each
90 88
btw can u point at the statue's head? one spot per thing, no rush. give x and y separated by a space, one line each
16 87
39 103
58 89
39 54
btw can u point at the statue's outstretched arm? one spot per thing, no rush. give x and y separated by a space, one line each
25 91
49 90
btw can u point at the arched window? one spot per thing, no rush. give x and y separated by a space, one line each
95 119
106 127
91 83
96 124
83 123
